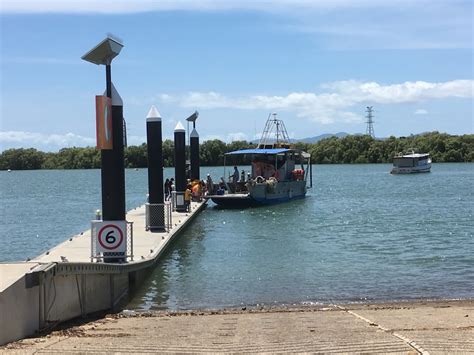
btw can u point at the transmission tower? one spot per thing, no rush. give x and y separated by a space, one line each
370 121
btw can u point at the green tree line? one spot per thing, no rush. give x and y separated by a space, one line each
350 149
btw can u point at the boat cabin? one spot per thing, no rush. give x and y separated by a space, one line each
280 164
410 160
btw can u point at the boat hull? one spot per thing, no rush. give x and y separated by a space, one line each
411 170
232 200
263 194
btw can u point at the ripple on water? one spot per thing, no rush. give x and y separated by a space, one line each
361 234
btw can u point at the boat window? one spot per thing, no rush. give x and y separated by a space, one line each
403 162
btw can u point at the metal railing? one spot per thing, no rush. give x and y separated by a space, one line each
158 216
177 201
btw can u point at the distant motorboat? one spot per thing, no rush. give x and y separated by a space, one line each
411 162
9 170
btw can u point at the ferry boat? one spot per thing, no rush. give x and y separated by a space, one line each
279 172
411 162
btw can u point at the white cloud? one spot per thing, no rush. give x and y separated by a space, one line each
228 137
421 111
17 139
409 91
237 136
331 106
210 137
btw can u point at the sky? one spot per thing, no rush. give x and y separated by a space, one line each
317 64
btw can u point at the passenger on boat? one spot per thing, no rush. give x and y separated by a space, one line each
268 171
203 188
196 191
235 176
221 189
242 176
209 184
257 168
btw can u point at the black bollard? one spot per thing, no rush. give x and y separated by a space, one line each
194 146
155 156
180 165
155 209
113 167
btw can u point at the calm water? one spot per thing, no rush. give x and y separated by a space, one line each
361 234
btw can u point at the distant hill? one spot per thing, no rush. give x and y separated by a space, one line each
322 136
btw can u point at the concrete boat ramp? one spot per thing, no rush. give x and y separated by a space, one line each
63 283
440 327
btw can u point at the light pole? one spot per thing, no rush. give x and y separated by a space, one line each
112 157
180 166
194 147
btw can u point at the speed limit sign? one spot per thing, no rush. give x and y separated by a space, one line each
111 236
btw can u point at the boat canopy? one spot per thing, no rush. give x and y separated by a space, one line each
261 151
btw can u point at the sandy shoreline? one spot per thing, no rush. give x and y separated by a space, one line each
422 326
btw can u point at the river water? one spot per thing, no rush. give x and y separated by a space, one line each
360 235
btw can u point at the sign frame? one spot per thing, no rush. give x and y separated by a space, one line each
111 237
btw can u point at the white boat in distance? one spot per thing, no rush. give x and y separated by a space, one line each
411 162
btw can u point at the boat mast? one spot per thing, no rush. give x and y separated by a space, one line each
274 134
277 126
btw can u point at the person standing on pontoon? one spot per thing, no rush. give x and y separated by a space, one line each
167 189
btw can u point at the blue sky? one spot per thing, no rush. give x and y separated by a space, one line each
318 64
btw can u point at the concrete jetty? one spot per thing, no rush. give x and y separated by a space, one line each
63 283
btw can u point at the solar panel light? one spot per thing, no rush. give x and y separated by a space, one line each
193 119
104 52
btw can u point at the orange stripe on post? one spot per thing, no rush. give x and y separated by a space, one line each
103 114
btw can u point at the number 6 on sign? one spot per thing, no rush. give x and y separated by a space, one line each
111 236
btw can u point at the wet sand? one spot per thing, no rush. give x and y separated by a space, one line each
428 327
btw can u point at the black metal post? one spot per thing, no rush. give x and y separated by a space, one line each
108 80
180 158
113 169
155 157
194 147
